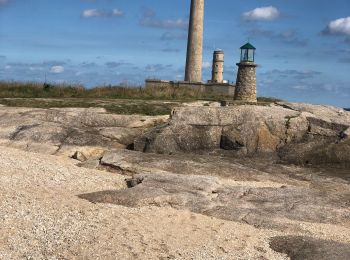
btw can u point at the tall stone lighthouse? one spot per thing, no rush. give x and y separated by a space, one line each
194 58
246 76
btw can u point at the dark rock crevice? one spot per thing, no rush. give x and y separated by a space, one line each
227 144
110 167
286 106
21 129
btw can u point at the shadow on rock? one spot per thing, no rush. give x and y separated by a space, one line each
307 248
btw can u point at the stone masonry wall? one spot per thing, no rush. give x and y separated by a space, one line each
158 84
246 82
225 89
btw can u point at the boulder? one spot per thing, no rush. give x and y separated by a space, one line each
298 133
66 131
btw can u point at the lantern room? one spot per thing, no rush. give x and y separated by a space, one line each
247 53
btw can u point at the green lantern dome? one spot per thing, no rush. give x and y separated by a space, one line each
248 46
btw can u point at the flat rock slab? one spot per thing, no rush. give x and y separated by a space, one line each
237 169
253 191
258 206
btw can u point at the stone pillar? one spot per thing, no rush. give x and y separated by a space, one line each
218 67
194 58
246 82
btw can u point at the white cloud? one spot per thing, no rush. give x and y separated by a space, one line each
340 26
2 2
150 19
101 13
57 69
117 12
91 13
268 13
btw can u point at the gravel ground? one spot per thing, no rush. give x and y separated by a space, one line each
43 218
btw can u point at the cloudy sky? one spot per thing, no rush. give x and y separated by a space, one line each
303 46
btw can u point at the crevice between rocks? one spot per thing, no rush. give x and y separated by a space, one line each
110 167
20 129
286 106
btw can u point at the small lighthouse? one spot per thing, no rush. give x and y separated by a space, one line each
218 67
246 76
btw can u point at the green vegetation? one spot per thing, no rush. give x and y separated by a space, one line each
115 99
269 99
117 106
38 90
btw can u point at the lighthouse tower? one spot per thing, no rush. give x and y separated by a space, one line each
194 57
246 76
218 67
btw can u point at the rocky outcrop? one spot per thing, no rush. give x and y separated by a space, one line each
258 206
298 133
237 206
81 133
254 191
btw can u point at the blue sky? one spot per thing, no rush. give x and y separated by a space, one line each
303 46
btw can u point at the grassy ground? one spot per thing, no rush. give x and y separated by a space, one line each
117 106
115 99
44 90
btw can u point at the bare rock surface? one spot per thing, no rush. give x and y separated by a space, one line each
258 206
260 195
69 130
295 133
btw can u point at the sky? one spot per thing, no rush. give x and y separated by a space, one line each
303 46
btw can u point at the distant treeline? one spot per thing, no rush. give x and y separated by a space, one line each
45 90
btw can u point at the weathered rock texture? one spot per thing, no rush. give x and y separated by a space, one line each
258 206
297 133
194 58
256 192
246 82
68 131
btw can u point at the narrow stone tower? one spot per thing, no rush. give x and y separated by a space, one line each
246 76
217 75
194 58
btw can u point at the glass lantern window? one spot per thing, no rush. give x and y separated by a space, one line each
247 55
